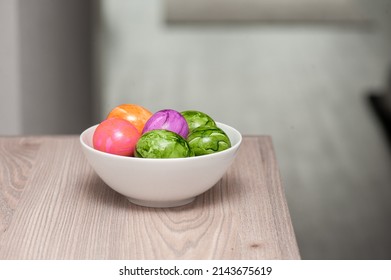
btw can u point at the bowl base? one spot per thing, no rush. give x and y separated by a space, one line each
161 204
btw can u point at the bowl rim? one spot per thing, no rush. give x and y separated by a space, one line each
221 153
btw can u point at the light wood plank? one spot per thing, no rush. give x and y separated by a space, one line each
17 157
67 212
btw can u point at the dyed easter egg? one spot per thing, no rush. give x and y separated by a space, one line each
197 119
116 136
169 120
208 140
135 114
160 143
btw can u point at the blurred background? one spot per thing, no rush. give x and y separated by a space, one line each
310 73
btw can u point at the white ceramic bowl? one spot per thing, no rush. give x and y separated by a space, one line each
161 182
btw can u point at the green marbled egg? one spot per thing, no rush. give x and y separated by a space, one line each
161 143
197 119
208 140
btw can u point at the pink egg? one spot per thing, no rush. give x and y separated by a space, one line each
116 136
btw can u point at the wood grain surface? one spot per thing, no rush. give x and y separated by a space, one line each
54 206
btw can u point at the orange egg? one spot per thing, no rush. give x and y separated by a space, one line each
135 114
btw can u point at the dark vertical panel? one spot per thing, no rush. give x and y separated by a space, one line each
55 63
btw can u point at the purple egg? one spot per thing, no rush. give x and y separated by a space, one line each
170 120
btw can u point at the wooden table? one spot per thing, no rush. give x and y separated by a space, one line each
53 206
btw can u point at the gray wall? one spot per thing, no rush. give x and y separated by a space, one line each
10 117
48 57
